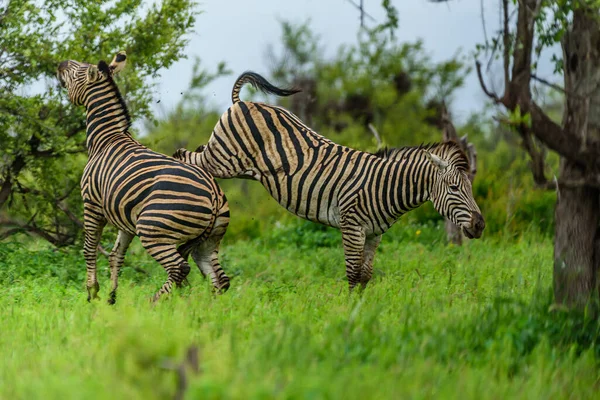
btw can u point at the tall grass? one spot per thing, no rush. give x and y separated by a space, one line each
436 321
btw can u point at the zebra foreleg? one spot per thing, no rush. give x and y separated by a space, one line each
93 222
353 238
115 259
371 244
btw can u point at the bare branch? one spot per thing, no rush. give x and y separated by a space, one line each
363 13
106 254
55 238
547 83
506 41
485 35
10 232
376 134
538 164
483 86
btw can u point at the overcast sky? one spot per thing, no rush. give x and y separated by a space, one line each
239 32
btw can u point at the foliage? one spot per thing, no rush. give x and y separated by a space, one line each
192 116
394 86
435 321
379 80
42 136
401 87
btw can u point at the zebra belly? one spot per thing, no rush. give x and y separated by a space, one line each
307 201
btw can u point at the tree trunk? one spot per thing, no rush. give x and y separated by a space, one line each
575 261
577 238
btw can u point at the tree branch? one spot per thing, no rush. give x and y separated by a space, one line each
560 141
483 86
506 41
57 239
547 83
538 164
376 134
485 35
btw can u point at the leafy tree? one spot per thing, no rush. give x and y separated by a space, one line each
42 137
575 25
379 81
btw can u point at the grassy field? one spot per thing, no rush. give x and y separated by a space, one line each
437 321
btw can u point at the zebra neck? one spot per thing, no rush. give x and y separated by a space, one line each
107 118
414 183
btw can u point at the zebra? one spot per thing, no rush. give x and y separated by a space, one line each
163 201
360 193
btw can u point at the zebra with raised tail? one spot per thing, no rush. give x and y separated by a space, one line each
176 209
360 193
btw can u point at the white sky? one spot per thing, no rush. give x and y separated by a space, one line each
238 32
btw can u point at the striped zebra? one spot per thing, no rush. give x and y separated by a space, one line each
360 193
176 209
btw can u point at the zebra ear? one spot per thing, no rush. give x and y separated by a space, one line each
118 62
435 160
92 74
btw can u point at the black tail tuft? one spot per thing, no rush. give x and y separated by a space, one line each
260 83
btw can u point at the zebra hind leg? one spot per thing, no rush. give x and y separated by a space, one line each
115 259
371 244
167 255
188 157
206 254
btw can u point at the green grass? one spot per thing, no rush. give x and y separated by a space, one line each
437 321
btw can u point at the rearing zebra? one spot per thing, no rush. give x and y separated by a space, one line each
361 193
163 201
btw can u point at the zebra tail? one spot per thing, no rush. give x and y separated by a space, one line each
260 83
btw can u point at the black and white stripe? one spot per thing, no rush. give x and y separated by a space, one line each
361 193
176 209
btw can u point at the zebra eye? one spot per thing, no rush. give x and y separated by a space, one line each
454 188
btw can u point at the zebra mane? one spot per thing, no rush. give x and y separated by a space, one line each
105 69
449 151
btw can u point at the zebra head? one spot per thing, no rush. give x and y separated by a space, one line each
81 78
451 192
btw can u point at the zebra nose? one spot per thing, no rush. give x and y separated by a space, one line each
477 222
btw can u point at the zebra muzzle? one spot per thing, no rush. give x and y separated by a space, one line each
477 226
